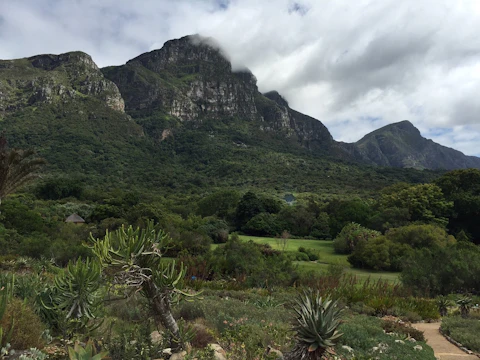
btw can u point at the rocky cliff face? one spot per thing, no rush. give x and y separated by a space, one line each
188 78
402 145
191 79
49 79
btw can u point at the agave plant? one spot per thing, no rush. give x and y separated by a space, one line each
316 326
88 352
465 304
443 304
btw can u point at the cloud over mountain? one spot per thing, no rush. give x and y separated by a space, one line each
353 65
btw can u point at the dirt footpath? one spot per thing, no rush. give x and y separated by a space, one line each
443 349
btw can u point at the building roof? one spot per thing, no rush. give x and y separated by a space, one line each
75 218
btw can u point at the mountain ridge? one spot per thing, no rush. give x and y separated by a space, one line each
180 114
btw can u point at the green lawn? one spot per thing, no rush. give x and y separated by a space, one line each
327 256
325 247
361 274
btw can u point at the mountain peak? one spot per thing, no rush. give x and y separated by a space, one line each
50 61
402 145
275 96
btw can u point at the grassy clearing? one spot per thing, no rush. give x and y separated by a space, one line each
327 256
324 247
361 274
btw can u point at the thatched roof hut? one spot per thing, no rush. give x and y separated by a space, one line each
75 218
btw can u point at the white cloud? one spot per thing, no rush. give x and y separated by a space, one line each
355 66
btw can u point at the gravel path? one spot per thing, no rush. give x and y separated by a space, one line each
443 349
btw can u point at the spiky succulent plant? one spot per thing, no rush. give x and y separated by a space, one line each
316 325
443 304
464 303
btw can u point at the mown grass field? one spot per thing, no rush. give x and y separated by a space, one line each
327 257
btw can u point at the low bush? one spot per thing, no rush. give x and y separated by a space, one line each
401 328
189 310
364 338
24 325
465 331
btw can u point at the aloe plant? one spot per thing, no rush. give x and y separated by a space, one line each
316 326
465 304
70 304
443 303
134 256
88 352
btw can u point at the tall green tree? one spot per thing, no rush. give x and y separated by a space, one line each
17 167
462 187
425 202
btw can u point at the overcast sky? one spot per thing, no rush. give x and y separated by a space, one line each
354 65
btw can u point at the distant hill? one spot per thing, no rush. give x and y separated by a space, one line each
401 145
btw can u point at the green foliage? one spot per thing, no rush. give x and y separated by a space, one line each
264 224
222 204
316 325
420 236
77 289
60 188
134 258
424 202
343 212
365 335
379 253
443 270
321 228
402 329
88 352
443 304
297 219
312 254
120 346
22 324
463 330
258 265
388 251
463 189
464 303
350 236
17 167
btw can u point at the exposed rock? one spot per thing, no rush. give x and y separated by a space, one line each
156 337
218 352
278 353
190 78
47 79
178 356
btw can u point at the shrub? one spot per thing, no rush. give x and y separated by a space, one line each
420 236
263 224
298 256
312 254
465 331
27 328
350 236
189 310
392 326
365 335
203 336
460 266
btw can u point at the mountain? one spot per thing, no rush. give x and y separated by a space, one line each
176 120
402 145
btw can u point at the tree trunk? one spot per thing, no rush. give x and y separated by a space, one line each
161 308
